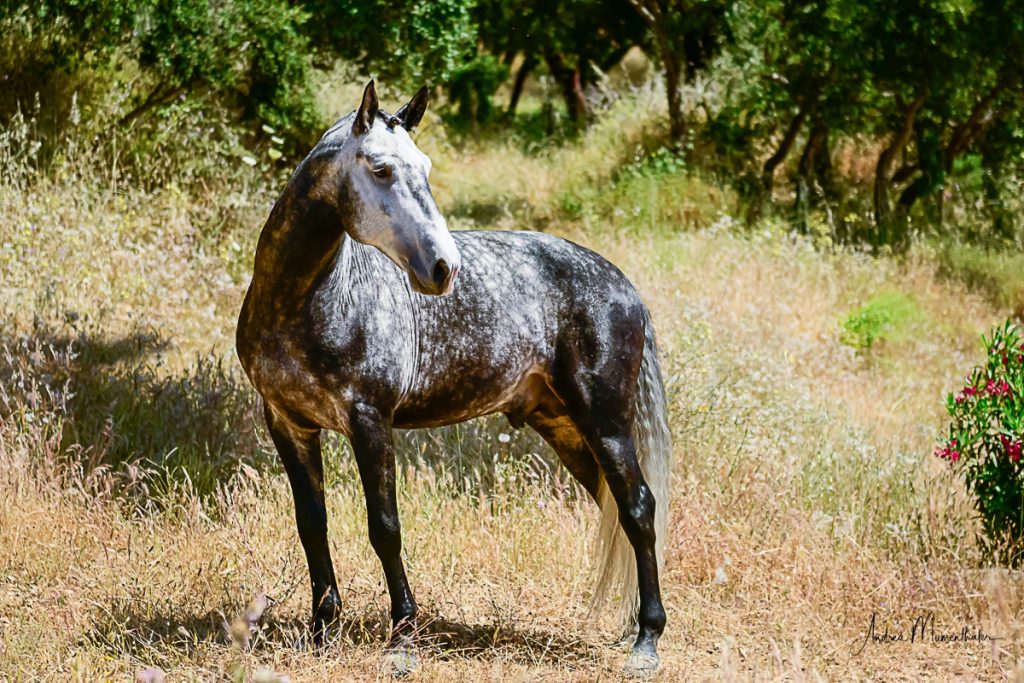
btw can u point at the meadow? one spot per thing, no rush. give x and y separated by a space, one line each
142 507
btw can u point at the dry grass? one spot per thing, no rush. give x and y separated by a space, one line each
141 510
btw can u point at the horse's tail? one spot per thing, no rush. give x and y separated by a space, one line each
617 582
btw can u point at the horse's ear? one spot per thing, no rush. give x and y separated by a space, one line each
413 111
367 111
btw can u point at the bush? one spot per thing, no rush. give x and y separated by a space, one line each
883 317
986 439
137 59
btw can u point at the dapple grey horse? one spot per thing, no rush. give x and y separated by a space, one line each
366 314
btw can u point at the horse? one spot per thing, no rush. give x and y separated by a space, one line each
365 314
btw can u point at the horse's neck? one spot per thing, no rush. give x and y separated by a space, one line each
299 251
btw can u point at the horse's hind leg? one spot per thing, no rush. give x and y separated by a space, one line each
563 437
599 403
299 449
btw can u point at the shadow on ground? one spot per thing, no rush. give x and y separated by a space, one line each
121 631
122 409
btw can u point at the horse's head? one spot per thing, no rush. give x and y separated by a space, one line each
392 206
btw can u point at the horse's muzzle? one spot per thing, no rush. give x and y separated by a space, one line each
441 280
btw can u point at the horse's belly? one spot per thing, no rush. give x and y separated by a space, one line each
457 397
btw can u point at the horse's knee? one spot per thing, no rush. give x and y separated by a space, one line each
386 534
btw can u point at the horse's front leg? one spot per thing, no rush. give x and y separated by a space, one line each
371 437
299 449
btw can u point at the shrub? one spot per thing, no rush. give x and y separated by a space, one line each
251 56
882 317
986 439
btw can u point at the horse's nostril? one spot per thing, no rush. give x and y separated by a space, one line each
441 271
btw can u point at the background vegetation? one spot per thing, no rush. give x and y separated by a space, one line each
819 201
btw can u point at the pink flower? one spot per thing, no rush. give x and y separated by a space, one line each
966 392
1013 448
949 452
1000 388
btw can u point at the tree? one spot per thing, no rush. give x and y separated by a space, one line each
576 40
686 34
251 54
406 42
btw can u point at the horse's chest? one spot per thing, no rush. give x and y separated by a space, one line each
291 377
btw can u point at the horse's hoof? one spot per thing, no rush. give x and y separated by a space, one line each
400 661
641 664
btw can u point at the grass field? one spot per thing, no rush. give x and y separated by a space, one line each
141 506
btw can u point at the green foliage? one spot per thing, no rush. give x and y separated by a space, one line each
919 101
251 55
472 88
986 439
931 80
575 41
884 316
406 43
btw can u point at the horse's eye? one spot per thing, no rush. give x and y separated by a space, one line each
383 172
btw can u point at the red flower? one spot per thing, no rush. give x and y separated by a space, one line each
1013 448
967 391
1000 388
949 452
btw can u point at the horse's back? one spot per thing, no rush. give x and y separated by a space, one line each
520 300
553 267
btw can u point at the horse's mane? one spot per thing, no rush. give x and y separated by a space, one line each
338 133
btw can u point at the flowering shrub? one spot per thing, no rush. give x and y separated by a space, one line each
986 440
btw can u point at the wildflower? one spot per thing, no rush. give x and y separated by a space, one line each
1013 448
966 393
1000 388
950 452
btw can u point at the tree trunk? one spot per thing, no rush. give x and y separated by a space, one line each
964 134
884 224
768 170
763 193
529 62
571 83
807 169
673 78
653 15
